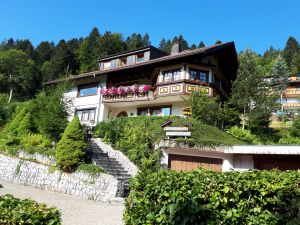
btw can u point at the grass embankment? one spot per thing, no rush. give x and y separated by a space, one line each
136 137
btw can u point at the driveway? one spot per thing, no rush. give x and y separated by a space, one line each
75 211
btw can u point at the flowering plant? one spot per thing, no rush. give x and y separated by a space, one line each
136 89
114 91
108 91
103 91
121 90
128 89
146 88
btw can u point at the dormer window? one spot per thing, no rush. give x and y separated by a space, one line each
123 61
106 65
140 57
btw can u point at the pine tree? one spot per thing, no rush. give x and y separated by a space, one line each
291 48
193 46
165 46
201 45
70 150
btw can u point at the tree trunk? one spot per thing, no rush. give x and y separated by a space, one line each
10 95
244 118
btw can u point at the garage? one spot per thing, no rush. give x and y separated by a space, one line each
281 162
188 163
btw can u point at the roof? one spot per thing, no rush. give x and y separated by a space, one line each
187 53
142 49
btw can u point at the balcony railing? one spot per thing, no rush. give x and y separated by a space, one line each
291 105
130 93
291 92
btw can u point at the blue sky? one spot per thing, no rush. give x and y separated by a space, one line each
255 24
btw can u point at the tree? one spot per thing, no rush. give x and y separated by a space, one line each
134 41
193 46
291 48
218 42
295 66
111 43
43 52
70 150
280 77
165 46
201 45
89 51
182 42
17 73
251 93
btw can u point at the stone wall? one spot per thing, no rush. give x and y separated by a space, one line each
119 156
103 188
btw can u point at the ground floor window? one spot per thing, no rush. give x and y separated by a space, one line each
86 115
155 111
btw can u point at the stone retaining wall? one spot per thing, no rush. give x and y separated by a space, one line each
119 156
103 188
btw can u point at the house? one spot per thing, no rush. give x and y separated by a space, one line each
148 81
291 96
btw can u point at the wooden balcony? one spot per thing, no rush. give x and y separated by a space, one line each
292 105
291 93
181 88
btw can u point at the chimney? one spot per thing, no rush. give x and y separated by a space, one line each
176 48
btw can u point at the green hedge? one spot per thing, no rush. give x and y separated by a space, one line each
16 211
207 197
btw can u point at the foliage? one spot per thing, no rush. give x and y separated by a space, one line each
291 48
243 135
17 211
17 73
26 126
91 169
70 150
280 75
295 129
259 102
6 109
136 137
207 197
38 140
290 140
211 112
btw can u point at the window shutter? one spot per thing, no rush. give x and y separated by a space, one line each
147 56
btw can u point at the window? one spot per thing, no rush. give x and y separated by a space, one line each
155 111
140 57
123 61
86 115
198 75
106 65
171 75
87 90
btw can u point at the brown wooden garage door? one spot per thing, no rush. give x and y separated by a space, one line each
281 162
188 163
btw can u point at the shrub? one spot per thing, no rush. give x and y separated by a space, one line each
16 211
207 197
26 126
290 140
71 148
91 169
15 123
243 135
38 140
295 129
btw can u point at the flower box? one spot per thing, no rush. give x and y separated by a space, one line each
129 95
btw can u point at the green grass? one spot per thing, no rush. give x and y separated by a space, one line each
90 169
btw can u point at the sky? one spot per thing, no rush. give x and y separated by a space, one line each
255 24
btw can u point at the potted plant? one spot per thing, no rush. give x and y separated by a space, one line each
121 91
146 89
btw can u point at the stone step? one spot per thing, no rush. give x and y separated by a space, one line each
107 162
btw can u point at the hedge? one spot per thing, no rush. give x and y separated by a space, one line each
16 211
207 197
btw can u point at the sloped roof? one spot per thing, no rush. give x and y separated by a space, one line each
183 54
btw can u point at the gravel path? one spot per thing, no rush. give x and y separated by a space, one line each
75 211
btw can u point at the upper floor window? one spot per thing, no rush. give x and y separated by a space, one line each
171 75
86 115
140 57
198 75
123 61
87 90
106 65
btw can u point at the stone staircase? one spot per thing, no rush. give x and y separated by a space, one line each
111 166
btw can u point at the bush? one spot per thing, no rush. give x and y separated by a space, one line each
290 140
15 123
207 197
26 126
38 140
70 150
91 169
16 211
295 129
243 135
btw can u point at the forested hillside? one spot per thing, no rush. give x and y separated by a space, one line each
24 67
